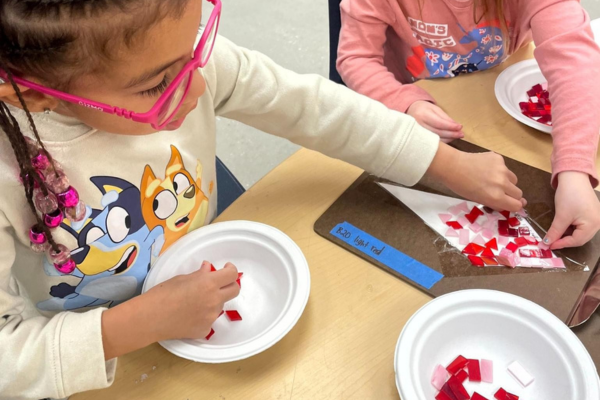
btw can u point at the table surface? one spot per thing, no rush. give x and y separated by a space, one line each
343 346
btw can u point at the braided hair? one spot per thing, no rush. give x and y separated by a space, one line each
55 40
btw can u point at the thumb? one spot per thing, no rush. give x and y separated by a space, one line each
558 228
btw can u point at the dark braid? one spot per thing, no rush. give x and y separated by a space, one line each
28 174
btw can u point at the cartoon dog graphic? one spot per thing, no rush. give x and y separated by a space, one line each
114 253
177 203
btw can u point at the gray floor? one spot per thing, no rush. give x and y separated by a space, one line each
294 33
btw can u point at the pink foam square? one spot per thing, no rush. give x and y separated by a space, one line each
439 377
557 262
487 371
522 213
503 240
543 246
491 225
464 237
493 217
445 217
479 240
454 210
488 233
451 233
463 221
464 207
475 227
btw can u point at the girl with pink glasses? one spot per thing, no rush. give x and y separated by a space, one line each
107 157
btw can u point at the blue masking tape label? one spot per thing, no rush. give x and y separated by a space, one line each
387 255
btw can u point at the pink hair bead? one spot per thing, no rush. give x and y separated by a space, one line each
40 161
67 267
77 213
57 181
45 204
37 236
53 219
35 183
68 198
61 256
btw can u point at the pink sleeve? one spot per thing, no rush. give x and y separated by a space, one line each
570 60
360 55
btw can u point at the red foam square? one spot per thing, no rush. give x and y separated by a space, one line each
489 260
462 375
477 396
512 247
487 252
514 221
476 261
502 394
492 244
212 332
476 211
454 224
444 396
506 214
546 253
474 371
212 268
458 389
520 241
456 365
447 392
524 231
233 315
471 217
473 249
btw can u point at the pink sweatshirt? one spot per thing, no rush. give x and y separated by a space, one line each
387 44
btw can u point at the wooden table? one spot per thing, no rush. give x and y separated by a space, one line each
343 346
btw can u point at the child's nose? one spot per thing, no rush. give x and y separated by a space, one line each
197 87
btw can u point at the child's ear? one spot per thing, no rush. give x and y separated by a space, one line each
36 102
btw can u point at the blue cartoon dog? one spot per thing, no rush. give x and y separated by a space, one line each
114 254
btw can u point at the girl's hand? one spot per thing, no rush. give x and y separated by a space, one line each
577 206
188 305
433 118
479 177
184 307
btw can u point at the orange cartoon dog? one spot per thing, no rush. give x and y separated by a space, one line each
176 203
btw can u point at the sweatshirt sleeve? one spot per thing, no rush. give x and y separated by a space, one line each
316 113
570 61
45 357
360 59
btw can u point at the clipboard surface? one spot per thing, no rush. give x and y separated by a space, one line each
370 208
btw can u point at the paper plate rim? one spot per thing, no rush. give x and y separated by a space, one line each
279 329
500 87
477 295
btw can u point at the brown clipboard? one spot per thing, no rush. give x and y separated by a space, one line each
370 208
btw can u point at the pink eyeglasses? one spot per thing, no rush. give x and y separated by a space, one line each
169 102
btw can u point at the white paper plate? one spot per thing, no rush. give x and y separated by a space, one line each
275 287
511 89
514 82
501 327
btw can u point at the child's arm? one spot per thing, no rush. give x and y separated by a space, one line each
321 115
570 61
45 357
361 65
56 357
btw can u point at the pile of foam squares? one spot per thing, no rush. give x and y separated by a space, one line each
538 107
491 238
450 381
232 315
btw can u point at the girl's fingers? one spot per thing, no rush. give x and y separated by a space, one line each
225 276
514 192
442 114
512 177
230 291
580 236
509 204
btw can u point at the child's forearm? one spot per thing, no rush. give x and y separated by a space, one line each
128 327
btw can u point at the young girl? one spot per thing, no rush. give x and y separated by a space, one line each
102 186
387 44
